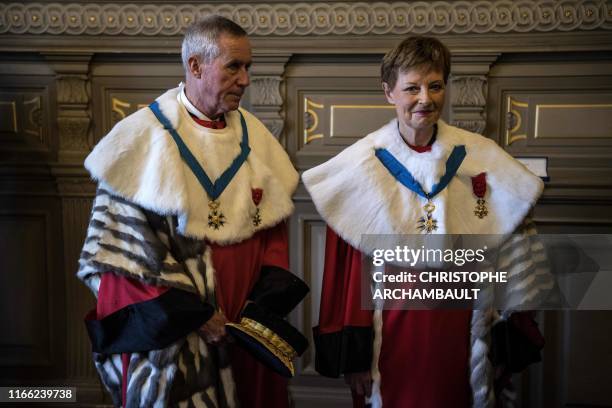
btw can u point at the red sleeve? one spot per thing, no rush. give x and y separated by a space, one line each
276 252
341 292
132 316
344 337
117 292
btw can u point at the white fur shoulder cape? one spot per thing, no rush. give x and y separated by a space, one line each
138 160
356 194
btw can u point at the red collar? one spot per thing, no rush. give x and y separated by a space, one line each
427 148
211 124
420 149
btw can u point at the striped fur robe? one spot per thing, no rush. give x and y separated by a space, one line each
128 240
530 282
150 222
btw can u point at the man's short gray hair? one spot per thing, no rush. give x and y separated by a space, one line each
201 38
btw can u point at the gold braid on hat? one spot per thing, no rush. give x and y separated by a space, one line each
270 340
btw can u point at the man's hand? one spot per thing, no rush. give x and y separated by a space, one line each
360 383
213 331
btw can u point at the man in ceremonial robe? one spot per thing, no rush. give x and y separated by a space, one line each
193 194
419 175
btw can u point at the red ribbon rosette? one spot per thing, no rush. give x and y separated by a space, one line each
256 194
479 184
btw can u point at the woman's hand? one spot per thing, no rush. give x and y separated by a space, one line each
360 383
213 331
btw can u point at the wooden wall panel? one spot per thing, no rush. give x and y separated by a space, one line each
559 110
26 337
341 118
25 116
32 298
308 232
307 250
587 381
79 300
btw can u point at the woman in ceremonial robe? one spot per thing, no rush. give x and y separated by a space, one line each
419 175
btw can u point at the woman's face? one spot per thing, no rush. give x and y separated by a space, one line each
418 97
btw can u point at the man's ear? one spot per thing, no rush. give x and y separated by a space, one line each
195 68
387 90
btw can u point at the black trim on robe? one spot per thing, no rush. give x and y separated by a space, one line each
511 348
278 290
346 351
149 325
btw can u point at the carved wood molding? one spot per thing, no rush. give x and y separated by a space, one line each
266 91
468 100
73 98
315 19
469 90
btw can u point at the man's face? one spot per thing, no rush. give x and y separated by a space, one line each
216 86
418 97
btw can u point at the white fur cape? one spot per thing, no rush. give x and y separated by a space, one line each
356 194
138 160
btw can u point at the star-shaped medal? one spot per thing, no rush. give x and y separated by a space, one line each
481 209
216 219
427 223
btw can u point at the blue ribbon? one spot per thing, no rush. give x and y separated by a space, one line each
215 189
402 174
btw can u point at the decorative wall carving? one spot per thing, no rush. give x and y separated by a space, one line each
311 120
120 108
265 91
468 100
24 124
73 97
8 116
33 113
73 133
516 127
333 18
73 90
469 90
267 102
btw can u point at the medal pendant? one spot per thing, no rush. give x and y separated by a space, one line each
216 219
481 209
427 223
256 195
257 218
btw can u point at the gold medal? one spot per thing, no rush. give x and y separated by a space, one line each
216 219
257 218
427 223
481 209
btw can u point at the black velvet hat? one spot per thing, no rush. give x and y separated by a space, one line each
262 329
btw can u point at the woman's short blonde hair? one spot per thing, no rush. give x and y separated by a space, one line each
423 53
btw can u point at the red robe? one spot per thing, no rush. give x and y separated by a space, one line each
424 354
237 268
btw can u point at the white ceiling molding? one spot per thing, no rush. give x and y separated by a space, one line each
309 19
